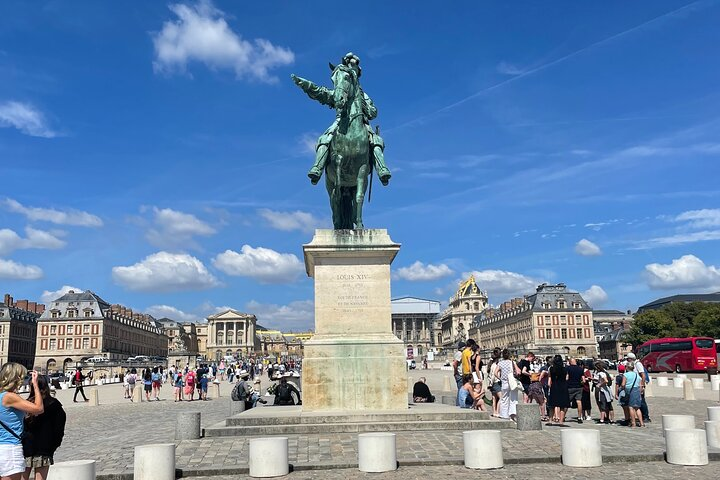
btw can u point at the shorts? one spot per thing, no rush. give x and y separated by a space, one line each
148 387
535 392
575 394
157 384
177 390
12 460
38 461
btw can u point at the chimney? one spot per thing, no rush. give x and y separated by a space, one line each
40 308
8 300
22 304
32 306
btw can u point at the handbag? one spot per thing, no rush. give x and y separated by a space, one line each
512 381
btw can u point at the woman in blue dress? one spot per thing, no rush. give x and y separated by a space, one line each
631 397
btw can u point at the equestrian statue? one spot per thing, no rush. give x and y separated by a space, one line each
349 149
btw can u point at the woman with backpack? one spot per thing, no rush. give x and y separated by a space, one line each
147 383
603 395
43 433
156 378
12 413
131 380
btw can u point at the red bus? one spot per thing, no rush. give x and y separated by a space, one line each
678 354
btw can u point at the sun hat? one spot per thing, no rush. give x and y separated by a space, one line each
631 356
243 373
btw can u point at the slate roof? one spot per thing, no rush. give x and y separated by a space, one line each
551 294
86 296
682 298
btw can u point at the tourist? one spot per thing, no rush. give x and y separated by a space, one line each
178 387
575 379
631 398
12 412
559 398
190 385
147 383
457 364
126 386
466 394
508 395
477 365
467 355
203 384
640 370
230 373
525 366
587 382
78 379
535 390
156 378
544 376
284 391
603 395
43 433
132 380
221 370
421 392
619 394
494 384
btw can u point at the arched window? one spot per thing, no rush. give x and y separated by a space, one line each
581 351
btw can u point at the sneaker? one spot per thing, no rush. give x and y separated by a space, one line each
263 401
647 420
579 420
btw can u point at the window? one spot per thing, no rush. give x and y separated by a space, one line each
561 304
53 344
88 313
576 305
563 333
476 305
85 343
68 343
53 329
548 333
579 332
69 329
71 313
467 306
86 328
54 314
563 319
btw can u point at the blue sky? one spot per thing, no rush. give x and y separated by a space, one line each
156 153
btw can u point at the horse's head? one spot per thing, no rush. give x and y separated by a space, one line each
345 80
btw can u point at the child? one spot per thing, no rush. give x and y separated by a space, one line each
204 386
178 387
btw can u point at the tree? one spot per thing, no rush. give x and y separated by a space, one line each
648 325
707 322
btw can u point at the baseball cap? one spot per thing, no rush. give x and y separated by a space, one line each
621 368
461 345
631 356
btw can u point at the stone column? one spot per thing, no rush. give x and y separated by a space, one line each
73 470
154 462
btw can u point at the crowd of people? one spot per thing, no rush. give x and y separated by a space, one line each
555 384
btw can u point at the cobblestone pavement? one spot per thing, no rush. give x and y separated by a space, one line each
108 434
648 470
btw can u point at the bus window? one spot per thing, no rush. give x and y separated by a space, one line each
704 343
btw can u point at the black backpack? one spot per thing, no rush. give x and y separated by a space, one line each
239 394
283 391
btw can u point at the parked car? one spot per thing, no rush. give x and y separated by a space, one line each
96 359
411 364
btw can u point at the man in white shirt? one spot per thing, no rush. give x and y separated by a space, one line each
640 370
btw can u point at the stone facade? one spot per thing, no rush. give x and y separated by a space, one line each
182 337
201 334
552 321
18 330
607 321
81 325
456 320
413 322
231 333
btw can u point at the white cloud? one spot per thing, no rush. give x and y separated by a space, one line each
25 118
586 248
501 283
263 264
296 316
687 271
60 217
704 218
168 311
165 272
40 239
678 239
201 34
17 271
598 225
308 141
419 272
176 229
48 296
509 69
289 221
595 296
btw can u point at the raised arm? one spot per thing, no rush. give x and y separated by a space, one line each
316 92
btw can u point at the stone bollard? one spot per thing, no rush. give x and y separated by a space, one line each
268 457
713 413
648 390
662 381
688 392
94 397
712 431
698 383
377 452
528 417
214 390
187 426
686 422
581 448
686 446
236 407
715 383
72 470
483 449
137 395
410 385
154 462
677 382
447 384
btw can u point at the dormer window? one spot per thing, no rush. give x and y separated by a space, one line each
577 305
561 304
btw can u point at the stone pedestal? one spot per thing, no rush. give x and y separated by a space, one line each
528 416
187 426
354 362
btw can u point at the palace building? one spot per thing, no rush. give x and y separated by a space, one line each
18 329
80 325
463 307
413 322
231 333
554 320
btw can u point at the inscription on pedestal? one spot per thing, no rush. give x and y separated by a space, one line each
352 291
